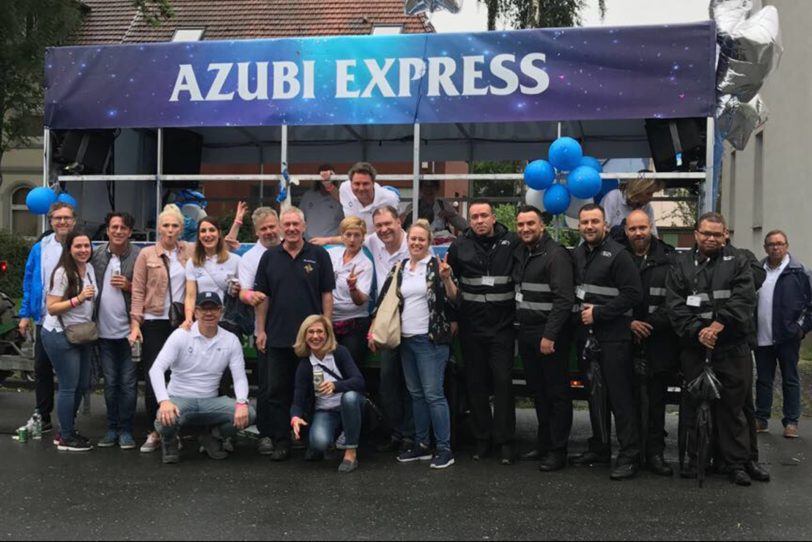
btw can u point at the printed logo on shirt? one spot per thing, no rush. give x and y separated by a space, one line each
190 349
606 254
504 242
727 258
308 268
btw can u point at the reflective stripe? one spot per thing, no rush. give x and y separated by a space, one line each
657 291
705 315
721 294
535 287
600 290
487 298
703 296
653 308
529 305
578 306
477 281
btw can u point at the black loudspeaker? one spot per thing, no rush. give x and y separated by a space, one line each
669 137
183 150
86 152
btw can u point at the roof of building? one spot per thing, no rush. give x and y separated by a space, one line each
118 21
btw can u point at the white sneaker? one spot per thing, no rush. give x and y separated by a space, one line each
152 443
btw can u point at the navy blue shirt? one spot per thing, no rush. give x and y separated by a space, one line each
294 287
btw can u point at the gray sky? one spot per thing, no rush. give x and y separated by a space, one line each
473 16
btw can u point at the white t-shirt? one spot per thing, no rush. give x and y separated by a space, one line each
114 322
344 308
213 276
177 276
415 316
49 259
323 214
384 261
765 302
247 268
77 315
352 206
616 208
330 402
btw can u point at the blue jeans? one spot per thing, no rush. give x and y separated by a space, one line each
216 412
72 366
119 383
327 423
424 369
786 354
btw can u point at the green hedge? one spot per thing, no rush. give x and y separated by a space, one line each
14 250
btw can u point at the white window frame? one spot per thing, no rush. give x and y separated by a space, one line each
386 29
188 34
14 207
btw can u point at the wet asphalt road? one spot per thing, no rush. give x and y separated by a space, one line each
114 494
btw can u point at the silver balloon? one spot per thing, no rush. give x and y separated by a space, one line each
740 78
738 120
413 7
729 13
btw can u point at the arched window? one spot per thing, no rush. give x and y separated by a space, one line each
23 221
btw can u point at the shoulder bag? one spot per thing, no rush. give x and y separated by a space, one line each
386 326
83 333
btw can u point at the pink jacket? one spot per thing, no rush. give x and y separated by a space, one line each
150 280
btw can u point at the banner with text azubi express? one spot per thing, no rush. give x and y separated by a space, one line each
510 76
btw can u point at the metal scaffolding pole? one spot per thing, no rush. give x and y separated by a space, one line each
415 171
158 174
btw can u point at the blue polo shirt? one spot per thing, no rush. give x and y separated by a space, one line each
294 287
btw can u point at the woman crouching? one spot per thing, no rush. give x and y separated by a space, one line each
328 391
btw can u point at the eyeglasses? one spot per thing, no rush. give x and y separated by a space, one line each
775 245
713 234
62 218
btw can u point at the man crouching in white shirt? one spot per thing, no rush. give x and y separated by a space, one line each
197 359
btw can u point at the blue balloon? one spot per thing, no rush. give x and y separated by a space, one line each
539 174
594 163
40 199
606 186
584 182
556 199
64 197
566 153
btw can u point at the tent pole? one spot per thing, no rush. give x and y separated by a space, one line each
415 171
261 172
283 158
46 166
708 196
158 173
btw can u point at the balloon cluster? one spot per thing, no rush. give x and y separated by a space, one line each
583 181
39 200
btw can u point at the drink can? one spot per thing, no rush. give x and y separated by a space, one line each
318 379
233 284
135 351
22 433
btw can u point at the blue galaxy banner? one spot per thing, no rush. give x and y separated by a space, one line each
511 76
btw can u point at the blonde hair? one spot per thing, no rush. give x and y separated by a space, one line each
423 224
172 210
300 346
260 214
352 222
640 186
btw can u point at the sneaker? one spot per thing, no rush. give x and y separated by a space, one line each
47 427
341 442
791 431
126 441
212 447
152 443
57 438
265 446
443 459
762 427
109 440
228 445
170 452
75 444
415 453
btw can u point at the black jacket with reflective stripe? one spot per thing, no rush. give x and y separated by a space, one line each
610 281
484 308
545 278
724 287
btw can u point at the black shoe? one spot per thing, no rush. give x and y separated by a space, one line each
627 471
281 452
553 461
506 455
739 477
169 451
688 471
47 426
757 471
483 450
313 455
657 465
587 459
391 444
532 455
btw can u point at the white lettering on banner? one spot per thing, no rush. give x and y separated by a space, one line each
365 78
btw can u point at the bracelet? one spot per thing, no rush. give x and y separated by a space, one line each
74 302
241 405
239 222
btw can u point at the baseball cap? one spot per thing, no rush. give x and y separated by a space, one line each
208 298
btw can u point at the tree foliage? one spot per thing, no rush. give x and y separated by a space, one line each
537 13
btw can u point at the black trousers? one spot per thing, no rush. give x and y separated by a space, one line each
548 381
354 339
734 369
750 415
281 373
43 378
618 373
155 333
263 395
488 365
663 369
394 398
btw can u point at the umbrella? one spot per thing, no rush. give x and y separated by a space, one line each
641 377
702 391
598 399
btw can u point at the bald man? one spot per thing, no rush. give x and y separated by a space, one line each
656 344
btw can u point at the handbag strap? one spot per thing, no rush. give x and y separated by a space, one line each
59 316
165 259
330 371
223 287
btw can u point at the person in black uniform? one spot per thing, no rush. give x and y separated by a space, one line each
652 331
543 272
711 299
608 287
482 262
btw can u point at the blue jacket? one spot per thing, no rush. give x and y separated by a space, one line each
33 289
792 303
304 397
